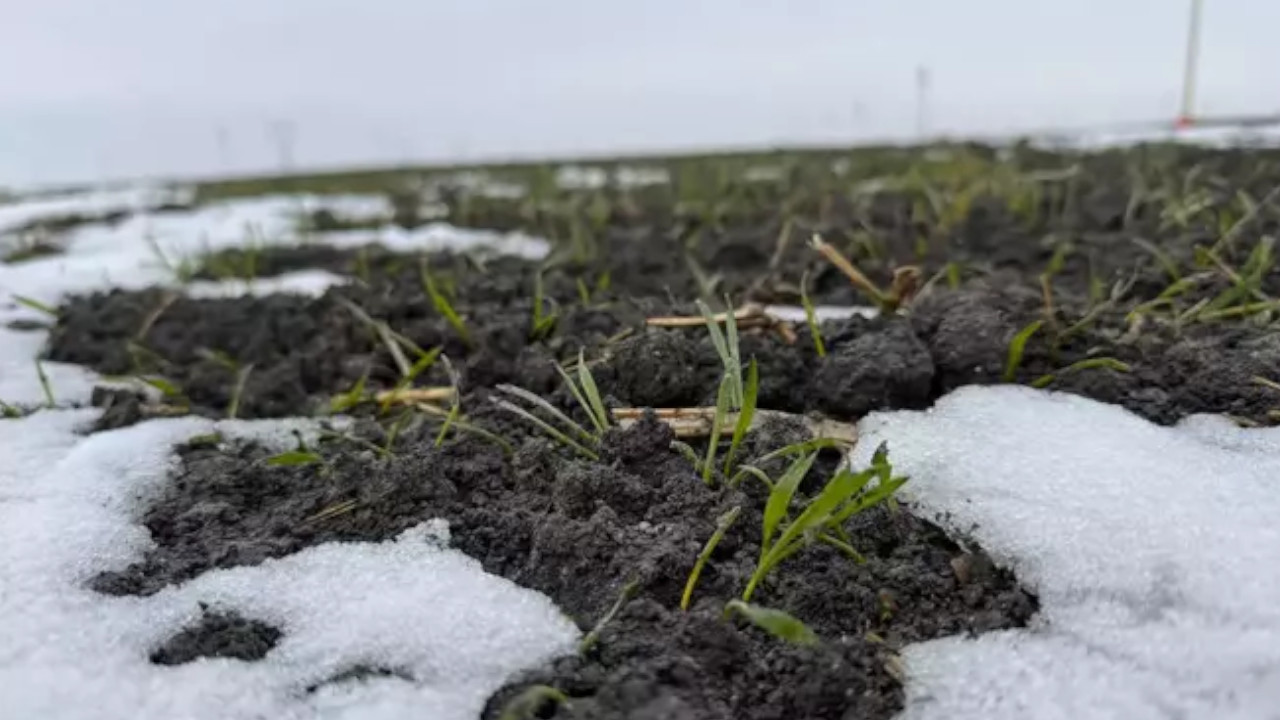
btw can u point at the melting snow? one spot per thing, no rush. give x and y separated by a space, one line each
1155 552
68 510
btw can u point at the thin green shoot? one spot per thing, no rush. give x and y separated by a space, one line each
555 433
584 293
295 458
587 393
591 638
354 440
845 495
420 366
746 415
726 345
777 623
780 497
350 398
1108 363
167 388
455 405
1016 348
237 391
717 427
1163 258
722 526
531 702
394 431
36 305
543 322
442 304
45 386
811 317
9 411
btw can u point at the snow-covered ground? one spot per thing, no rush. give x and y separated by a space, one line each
1155 551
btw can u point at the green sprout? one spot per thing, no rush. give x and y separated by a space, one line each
45 386
442 304
590 639
1016 348
352 397
425 360
530 703
746 415
726 344
587 395
37 305
777 623
453 418
722 526
811 317
237 391
1108 363
543 322
822 518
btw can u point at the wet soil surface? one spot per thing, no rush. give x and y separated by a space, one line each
218 634
1077 284
580 531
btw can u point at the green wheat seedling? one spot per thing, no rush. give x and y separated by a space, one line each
300 456
442 304
586 440
781 625
590 639
543 322
169 390
183 269
823 517
587 393
726 345
453 417
722 526
1016 348
531 702
425 360
395 342
1108 363
237 391
811 317
9 412
354 395
570 433
45 386
37 305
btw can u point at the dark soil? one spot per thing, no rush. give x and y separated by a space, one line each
223 635
580 531
1068 258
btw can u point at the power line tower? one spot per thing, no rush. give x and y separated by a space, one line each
1187 116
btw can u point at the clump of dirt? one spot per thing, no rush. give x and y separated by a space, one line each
218 635
579 531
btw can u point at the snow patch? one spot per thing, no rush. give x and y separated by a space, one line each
69 507
1155 552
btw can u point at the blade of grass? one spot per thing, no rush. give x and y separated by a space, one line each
550 409
745 415
546 427
777 623
811 317
1016 348
589 641
722 526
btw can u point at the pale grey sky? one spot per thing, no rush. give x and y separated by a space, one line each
94 90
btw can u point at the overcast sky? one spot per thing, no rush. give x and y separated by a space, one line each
93 89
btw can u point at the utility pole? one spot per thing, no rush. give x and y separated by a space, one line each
922 101
1187 117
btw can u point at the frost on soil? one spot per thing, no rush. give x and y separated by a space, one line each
68 505
1155 552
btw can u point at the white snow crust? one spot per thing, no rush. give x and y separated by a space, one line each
1155 553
